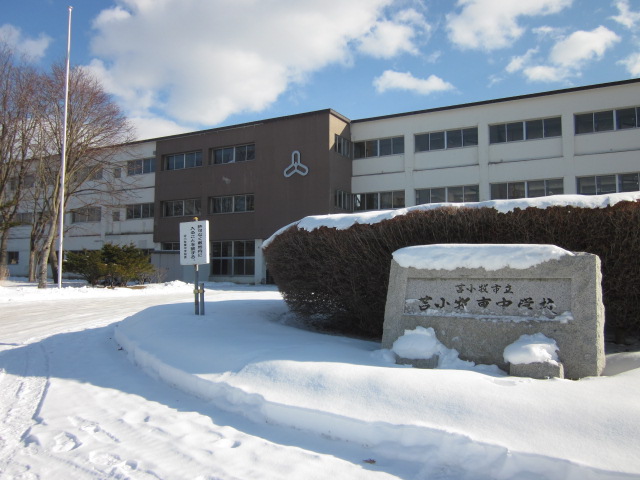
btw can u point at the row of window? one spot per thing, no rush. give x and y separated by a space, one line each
591 185
439 140
607 120
550 127
527 189
224 204
525 130
369 201
379 147
219 156
465 137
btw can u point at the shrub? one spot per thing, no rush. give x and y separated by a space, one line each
113 265
343 275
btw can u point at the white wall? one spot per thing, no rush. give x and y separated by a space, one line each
566 157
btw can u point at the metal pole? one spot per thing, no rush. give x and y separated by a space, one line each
202 299
64 155
195 290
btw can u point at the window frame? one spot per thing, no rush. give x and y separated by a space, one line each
600 181
371 148
86 215
446 194
519 131
233 201
194 210
183 161
232 254
511 189
141 166
374 200
232 152
468 138
136 211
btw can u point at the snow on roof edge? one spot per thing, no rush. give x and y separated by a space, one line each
342 221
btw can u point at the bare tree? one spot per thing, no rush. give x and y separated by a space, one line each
96 131
19 120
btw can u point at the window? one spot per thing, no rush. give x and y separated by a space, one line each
140 210
115 215
14 258
241 153
117 172
181 208
466 137
379 147
87 214
466 193
527 189
525 130
142 166
602 184
85 174
343 200
342 145
170 246
231 204
24 218
607 120
233 257
183 160
627 118
378 200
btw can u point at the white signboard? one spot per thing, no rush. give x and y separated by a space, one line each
194 243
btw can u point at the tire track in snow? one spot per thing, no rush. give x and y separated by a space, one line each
22 393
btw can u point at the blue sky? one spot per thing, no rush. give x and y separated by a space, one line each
183 65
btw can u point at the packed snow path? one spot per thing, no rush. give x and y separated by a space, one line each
74 406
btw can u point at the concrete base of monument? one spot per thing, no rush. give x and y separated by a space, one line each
539 370
419 362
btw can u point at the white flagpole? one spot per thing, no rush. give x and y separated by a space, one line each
64 156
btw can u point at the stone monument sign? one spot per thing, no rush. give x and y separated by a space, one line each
480 299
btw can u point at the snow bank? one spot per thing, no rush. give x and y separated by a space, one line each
489 257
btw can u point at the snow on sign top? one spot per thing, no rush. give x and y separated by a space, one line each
490 257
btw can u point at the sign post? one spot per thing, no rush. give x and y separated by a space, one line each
194 250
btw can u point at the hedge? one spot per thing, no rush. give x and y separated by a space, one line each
339 277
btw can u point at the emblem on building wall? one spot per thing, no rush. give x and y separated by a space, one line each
296 166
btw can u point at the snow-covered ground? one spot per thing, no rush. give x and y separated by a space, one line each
130 384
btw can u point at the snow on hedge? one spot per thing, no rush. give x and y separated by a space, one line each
346 220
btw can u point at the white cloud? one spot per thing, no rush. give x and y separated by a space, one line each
567 57
545 73
626 17
32 48
398 35
582 46
200 62
391 80
493 24
632 63
517 63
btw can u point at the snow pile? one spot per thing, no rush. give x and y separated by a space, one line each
536 348
422 344
73 406
489 257
344 221
20 290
